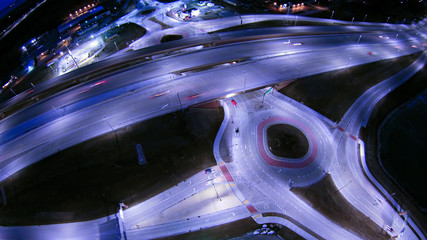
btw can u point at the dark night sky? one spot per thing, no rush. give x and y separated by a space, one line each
5 3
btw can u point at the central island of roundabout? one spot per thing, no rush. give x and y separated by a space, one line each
286 143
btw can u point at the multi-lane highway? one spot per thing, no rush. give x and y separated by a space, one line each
169 83
90 106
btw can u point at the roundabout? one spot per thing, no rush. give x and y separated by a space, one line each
279 141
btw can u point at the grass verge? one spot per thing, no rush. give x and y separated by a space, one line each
88 181
345 85
326 198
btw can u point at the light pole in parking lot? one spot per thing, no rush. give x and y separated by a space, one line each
332 15
365 17
72 57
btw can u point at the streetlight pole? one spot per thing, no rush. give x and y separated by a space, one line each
348 63
115 44
365 17
263 96
115 135
56 110
352 21
342 187
296 20
387 20
332 15
359 39
122 221
177 94
217 195
244 82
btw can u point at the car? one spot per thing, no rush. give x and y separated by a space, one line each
369 53
160 94
192 96
209 170
98 83
237 132
234 102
